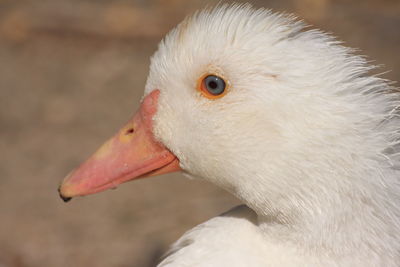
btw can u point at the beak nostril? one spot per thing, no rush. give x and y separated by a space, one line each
129 131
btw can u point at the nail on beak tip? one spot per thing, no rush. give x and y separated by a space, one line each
65 199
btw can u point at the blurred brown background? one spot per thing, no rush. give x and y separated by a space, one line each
71 73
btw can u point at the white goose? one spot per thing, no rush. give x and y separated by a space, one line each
284 118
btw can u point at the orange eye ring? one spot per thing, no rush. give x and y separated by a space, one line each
212 86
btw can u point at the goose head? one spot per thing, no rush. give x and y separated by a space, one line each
284 118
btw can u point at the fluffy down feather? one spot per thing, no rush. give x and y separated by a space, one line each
305 137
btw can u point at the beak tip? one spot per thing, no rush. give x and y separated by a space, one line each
64 198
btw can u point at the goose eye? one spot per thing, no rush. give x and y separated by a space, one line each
212 86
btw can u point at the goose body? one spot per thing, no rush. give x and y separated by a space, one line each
300 132
232 239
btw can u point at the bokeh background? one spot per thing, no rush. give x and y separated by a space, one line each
71 73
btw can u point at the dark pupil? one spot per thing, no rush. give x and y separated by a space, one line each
215 85
212 85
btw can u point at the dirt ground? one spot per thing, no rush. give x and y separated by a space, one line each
71 73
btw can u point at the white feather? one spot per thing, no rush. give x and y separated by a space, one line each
305 137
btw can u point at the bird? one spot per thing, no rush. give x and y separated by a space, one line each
285 118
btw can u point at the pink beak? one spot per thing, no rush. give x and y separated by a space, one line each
132 153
